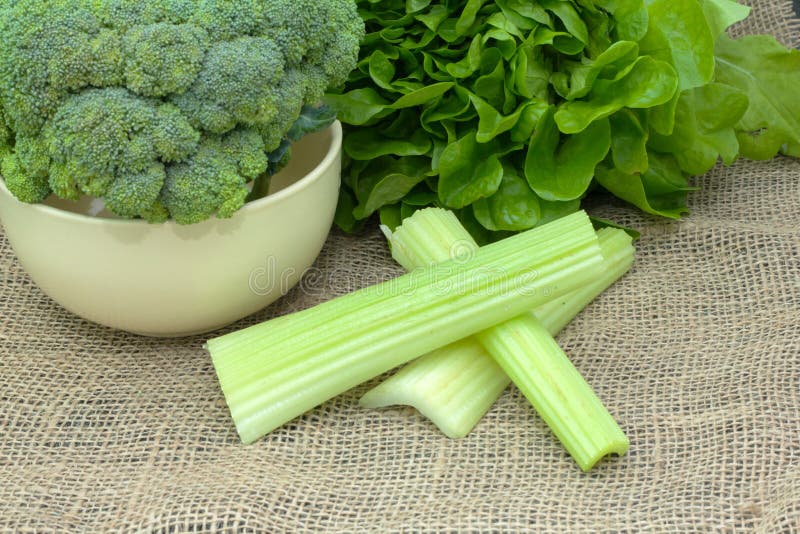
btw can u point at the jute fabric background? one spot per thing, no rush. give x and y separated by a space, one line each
696 352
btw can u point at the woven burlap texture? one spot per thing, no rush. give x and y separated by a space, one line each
696 352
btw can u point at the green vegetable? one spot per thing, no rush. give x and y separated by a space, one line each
563 171
456 385
275 371
167 109
453 386
523 347
769 75
679 34
632 96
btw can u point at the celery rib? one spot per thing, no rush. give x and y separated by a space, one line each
419 383
523 347
453 387
275 371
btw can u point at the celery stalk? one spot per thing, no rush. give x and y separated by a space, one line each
524 349
618 253
453 386
456 385
275 371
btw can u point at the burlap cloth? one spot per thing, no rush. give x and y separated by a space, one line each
696 352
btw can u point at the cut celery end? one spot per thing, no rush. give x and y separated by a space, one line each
523 348
457 413
453 387
543 373
273 372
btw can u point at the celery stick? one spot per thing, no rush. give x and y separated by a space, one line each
275 371
456 385
453 386
618 253
524 349
539 368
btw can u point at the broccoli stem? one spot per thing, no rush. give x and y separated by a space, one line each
260 188
523 348
273 372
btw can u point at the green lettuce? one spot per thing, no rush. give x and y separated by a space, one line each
512 112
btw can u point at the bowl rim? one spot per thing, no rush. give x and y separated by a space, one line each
315 174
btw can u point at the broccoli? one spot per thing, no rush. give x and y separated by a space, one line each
166 109
5 134
27 187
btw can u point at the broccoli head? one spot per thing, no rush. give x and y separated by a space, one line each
166 109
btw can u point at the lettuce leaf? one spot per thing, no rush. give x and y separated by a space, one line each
769 75
512 112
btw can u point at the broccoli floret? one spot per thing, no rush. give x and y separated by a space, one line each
46 53
25 170
227 20
125 14
311 34
33 156
102 131
24 186
136 194
209 182
108 59
235 85
287 101
101 135
246 148
163 58
6 135
173 137
164 108
62 181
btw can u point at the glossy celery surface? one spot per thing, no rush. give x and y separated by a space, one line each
523 348
275 371
454 386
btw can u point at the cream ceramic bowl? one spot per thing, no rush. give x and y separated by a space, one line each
169 280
